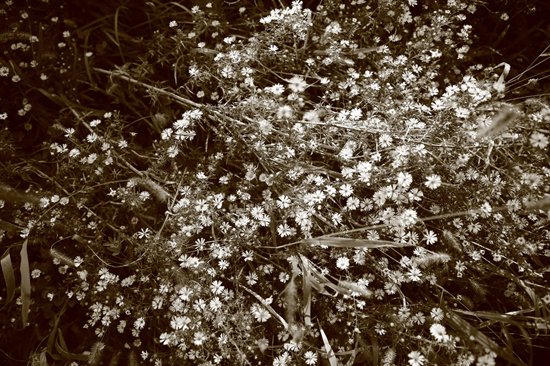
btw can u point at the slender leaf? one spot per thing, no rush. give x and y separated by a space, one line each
328 348
351 360
318 281
500 85
351 243
462 326
375 350
61 347
8 226
9 276
25 283
306 293
51 339
268 307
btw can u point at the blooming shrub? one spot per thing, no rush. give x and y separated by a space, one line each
288 186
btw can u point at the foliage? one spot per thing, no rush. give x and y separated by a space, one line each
243 183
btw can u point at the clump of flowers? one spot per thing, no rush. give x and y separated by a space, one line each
312 193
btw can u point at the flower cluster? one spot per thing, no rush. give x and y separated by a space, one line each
304 187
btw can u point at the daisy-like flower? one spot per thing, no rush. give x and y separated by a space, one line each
416 358
283 202
437 314
284 230
217 287
252 278
260 313
486 360
438 332
281 360
199 338
277 89
143 233
430 237
433 181
310 357
404 179
180 322
346 190
342 263
414 274
139 323
297 84
538 140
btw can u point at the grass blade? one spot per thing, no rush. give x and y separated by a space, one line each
462 326
51 338
268 307
25 283
306 292
61 347
350 243
318 281
8 226
9 276
330 354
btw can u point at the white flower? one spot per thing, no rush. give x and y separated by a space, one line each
139 323
437 314
342 263
260 313
143 233
311 358
36 273
430 237
215 304
252 278
91 137
144 354
297 84
283 202
180 322
433 181
346 190
538 140
78 261
416 358
216 287
404 179
438 332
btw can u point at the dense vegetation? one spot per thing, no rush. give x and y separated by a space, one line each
274 183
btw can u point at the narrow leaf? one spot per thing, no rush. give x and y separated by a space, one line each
375 350
500 122
351 243
306 293
462 326
25 283
8 226
61 341
9 276
541 204
61 347
318 281
51 338
500 85
268 307
328 348
80 239
351 360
